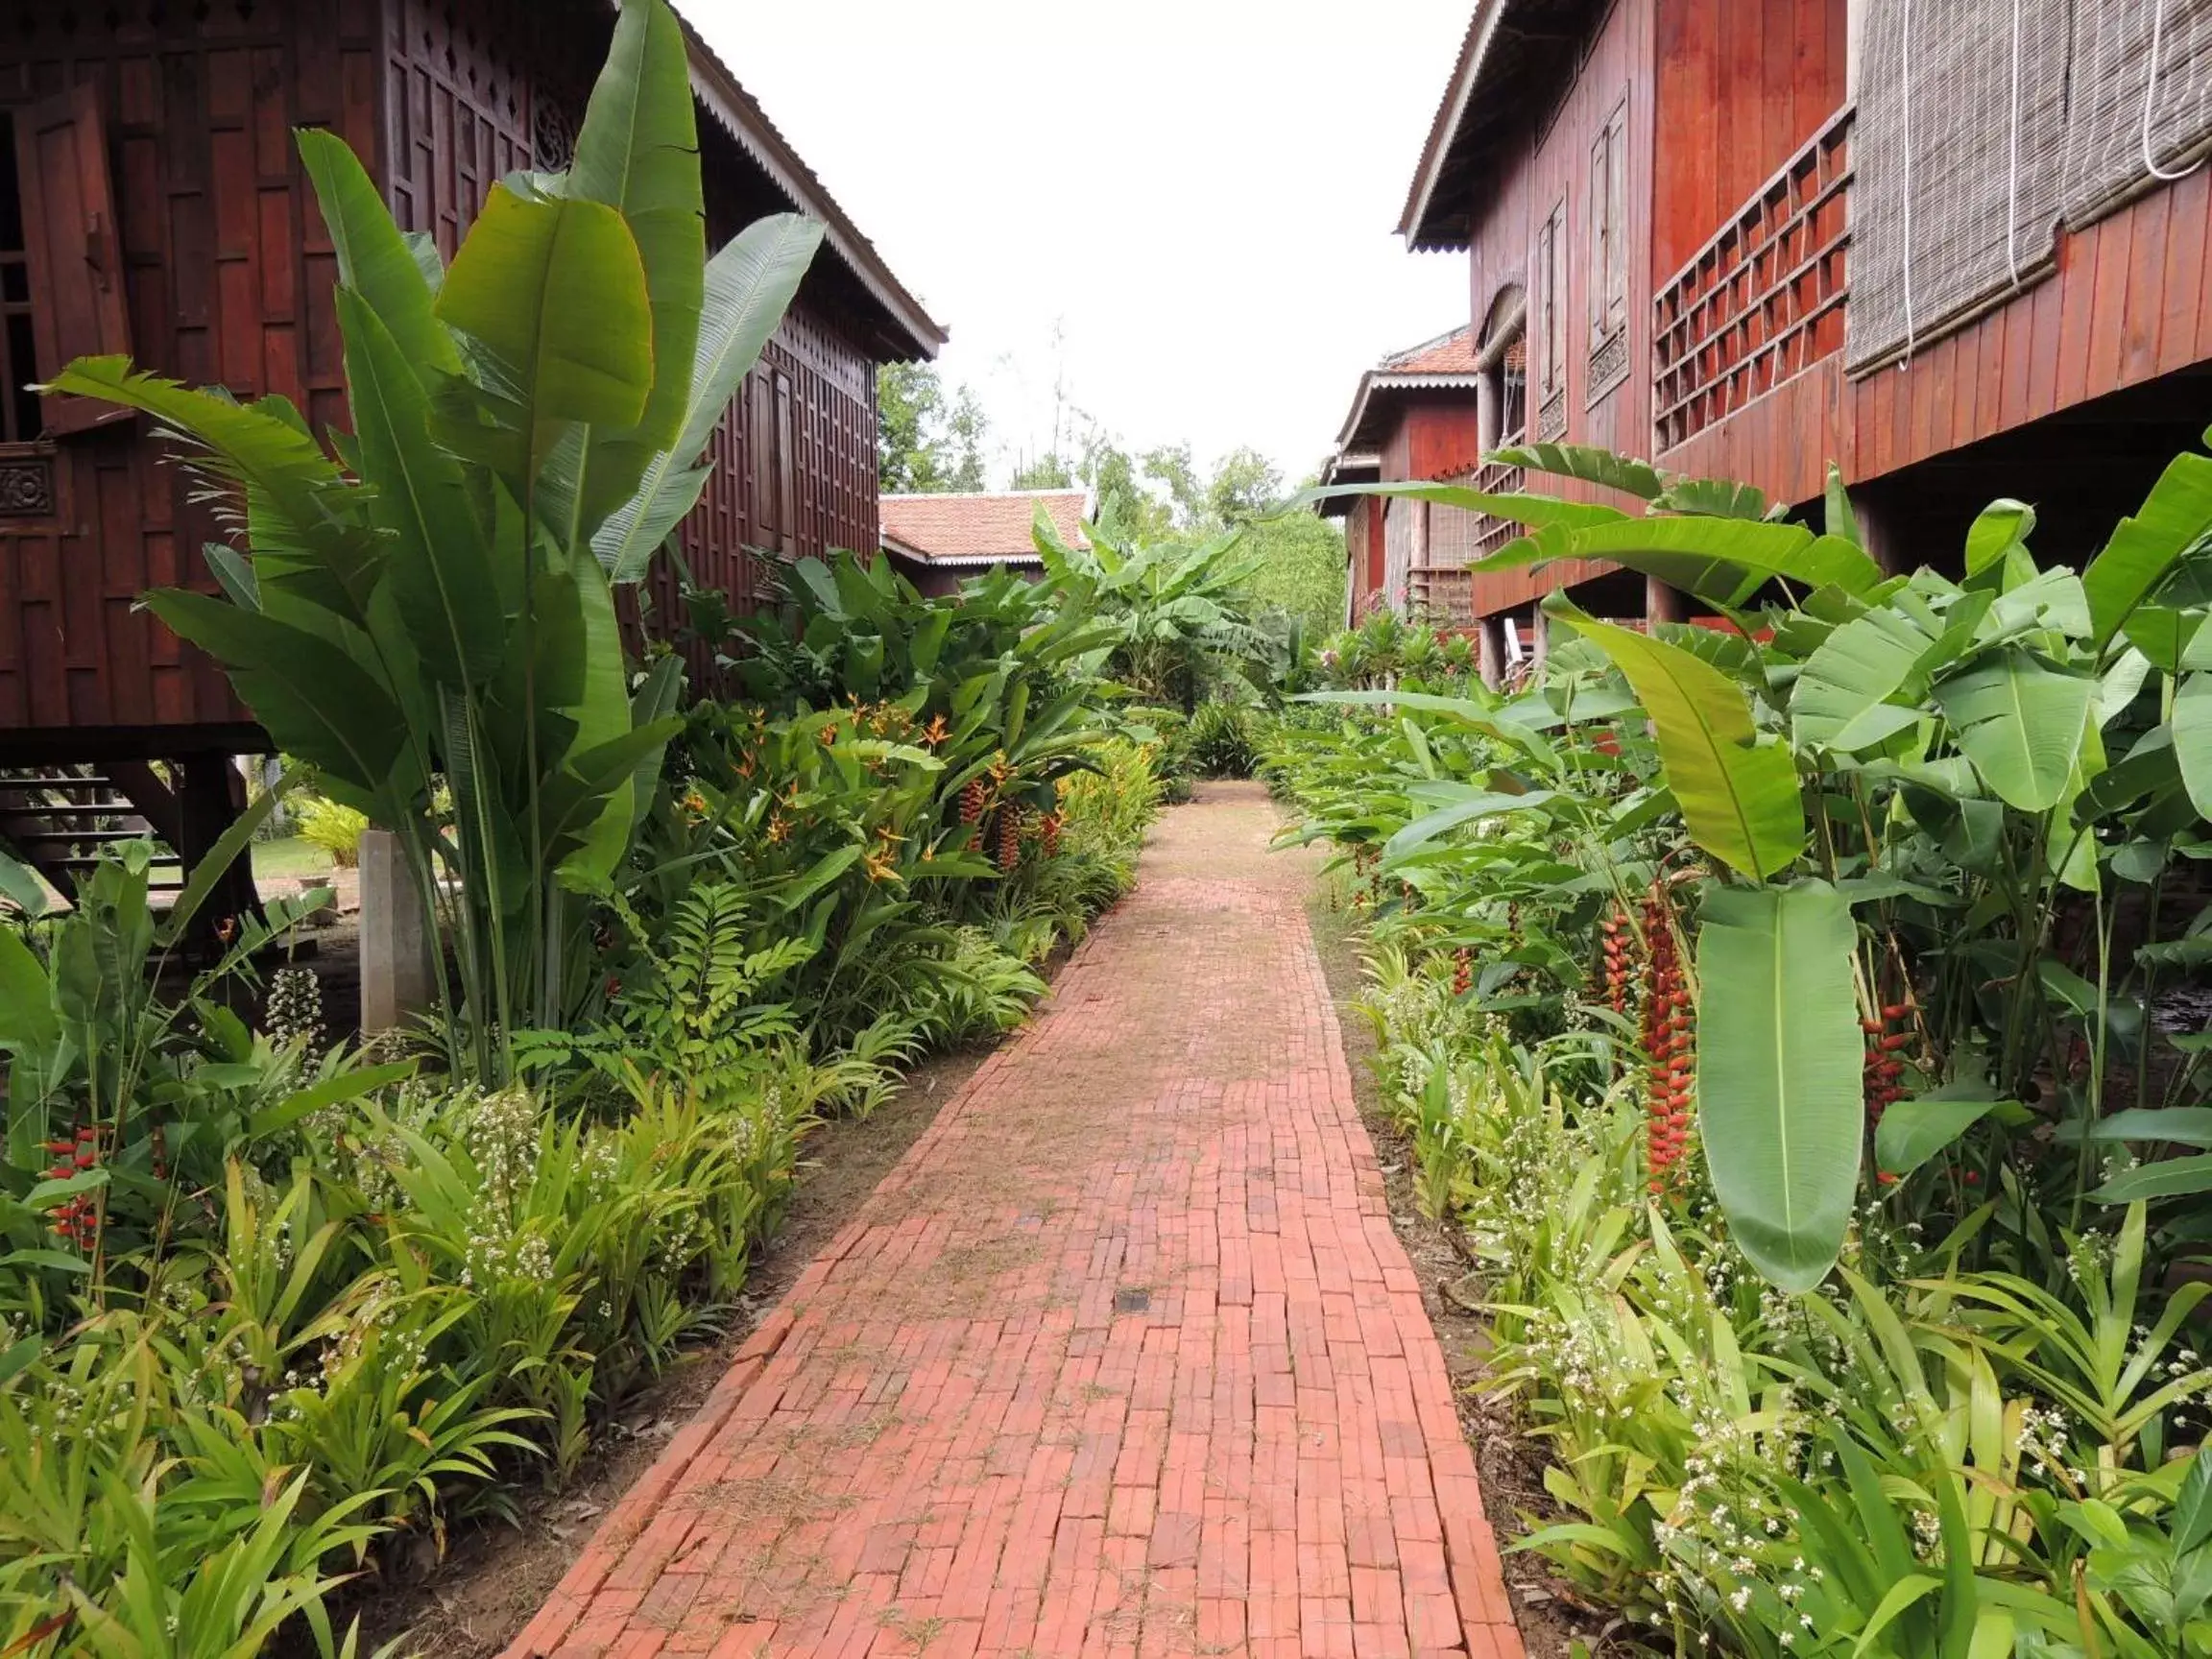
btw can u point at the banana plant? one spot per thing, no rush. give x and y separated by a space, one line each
1858 741
423 609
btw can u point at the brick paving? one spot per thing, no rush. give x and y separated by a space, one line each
1123 1359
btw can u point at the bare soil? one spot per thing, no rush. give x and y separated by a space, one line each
1552 1617
496 1573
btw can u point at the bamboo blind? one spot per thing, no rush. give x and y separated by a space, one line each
1959 149
2113 45
1983 122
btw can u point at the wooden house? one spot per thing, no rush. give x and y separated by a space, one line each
939 540
1414 416
152 201
1959 250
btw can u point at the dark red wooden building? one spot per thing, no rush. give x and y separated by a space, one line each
152 201
1413 417
1957 250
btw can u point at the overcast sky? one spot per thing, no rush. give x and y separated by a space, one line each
1182 209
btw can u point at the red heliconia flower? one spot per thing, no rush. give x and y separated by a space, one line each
1669 1039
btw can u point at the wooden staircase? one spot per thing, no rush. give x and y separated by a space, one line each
58 819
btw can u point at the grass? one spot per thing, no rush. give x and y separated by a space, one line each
289 856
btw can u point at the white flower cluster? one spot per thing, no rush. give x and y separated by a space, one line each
293 1011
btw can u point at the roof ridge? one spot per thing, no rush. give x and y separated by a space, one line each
1394 358
974 494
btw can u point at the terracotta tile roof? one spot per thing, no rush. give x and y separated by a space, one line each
1452 353
978 529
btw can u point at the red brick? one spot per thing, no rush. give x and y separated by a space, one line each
950 1431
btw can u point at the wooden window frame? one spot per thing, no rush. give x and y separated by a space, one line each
1547 327
1608 298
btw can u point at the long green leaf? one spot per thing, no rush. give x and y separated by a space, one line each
750 285
1842 691
2191 727
1724 560
1779 1091
373 259
317 702
2022 724
2145 548
310 539
1914 1131
439 560
638 152
1515 507
1739 797
1591 465
2167 1178
553 292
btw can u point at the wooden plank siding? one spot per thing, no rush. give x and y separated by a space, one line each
230 276
2126 304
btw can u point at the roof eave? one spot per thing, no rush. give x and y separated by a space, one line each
749 125
1375 381
1414 221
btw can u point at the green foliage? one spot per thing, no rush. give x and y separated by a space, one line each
1221 741
928 442
439 608
1172 611
1841 889
332 826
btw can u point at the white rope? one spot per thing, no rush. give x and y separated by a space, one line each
1905 50
2013 177
2151 100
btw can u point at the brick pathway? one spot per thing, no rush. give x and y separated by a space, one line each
1122 1360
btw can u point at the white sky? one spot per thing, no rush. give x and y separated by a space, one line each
1193 197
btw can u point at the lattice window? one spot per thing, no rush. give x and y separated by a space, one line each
1761 302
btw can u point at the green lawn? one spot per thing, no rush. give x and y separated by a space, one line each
289 856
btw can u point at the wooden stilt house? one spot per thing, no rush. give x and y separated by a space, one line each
152 201
1960 250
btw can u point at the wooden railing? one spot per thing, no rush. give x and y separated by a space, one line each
1441 586
1440 594
1762 301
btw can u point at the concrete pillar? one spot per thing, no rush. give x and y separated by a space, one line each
1540 633
1661 603
394 944
1489 651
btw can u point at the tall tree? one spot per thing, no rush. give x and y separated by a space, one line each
927 441
1047 472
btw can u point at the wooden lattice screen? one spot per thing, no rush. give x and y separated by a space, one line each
1764 300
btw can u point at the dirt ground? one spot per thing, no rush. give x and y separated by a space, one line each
1511 1466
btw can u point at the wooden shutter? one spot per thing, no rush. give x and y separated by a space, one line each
1616 188
1551 303
1542 320
1600 231
1609 227
79 307
787 463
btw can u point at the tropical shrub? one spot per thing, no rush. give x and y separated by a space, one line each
1779 1009
332 826
434 605
1221 741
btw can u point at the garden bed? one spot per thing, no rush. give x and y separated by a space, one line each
497 1574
